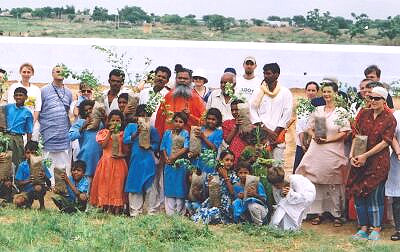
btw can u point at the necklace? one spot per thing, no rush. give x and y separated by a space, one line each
55 90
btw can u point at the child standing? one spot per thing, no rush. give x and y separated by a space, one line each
24 180
175 185
255 201
211 137
19 123
89 150
142 167
107 190
293 198
227 178
77 187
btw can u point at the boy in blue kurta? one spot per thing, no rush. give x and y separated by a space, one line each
90 151
25 181
19 123
77 187
142 167
174 145
253 207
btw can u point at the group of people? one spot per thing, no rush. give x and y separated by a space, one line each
109 166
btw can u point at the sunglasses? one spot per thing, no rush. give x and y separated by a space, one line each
86 91
375 98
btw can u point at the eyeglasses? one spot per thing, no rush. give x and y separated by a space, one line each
375 98
86 91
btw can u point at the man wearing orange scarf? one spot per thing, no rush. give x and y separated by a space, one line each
271 107
181 98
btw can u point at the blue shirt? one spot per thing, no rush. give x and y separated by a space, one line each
24 173
19 119
82 186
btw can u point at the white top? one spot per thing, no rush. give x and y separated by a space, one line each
301 126
245 88
144 97
33 92
392 187
114 103
272 112
217 100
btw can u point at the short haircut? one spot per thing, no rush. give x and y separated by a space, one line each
215 112
236 102
373 68
273 67
28 65
276 175
21 90
79 164
312 83
184 70
83 85
163 69
373 84
330 84
243 164
141 109
225 153
31 146
117 72
82 106
181 115
124 96
117 113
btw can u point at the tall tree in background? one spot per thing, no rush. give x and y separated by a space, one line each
100 14
360 25
390 28
218 22
299 20
134 15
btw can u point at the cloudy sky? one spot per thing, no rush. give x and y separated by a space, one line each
235 8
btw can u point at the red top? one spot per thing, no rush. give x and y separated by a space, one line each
237 144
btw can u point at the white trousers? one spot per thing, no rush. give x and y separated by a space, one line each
258 213
278 152
136 202
174 206
59 160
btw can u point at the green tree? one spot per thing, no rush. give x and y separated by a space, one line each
360 25
189 20
314 20
171 19
329 25
68 10
273 18
39 12
218 22
257 22
299 20
71 17
134 15
19 11
100 14
343 23
390 28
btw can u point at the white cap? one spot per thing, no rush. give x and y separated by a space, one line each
380 91
200 73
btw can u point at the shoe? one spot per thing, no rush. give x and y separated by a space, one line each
395 236
360 235
374 236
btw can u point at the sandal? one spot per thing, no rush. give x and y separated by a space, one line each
395 236
360 235
316 221
374 236
337 222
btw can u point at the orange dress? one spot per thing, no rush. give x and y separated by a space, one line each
109 179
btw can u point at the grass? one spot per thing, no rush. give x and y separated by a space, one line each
62 28
31 230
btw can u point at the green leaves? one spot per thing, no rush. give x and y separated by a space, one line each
4 142
153 102
209 157
304 108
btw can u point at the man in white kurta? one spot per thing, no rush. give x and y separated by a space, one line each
291 209
271 106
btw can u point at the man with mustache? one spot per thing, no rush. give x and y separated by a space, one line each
181 98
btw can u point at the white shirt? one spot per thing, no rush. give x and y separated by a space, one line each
114 103
217 100
392 187
272 112
33 92
301 126
245 88
144 97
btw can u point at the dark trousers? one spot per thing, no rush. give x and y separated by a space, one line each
396 212
297 158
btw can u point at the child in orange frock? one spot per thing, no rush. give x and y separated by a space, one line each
107 189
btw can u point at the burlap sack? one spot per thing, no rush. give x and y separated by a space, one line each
60 186
133 102
320 127
97 115
359 145
214 191
3 118
307 139
251 181
195 142
196 185
177 143
115 144
244 116
36 167
6 167
144 135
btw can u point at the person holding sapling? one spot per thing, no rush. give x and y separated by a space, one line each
19 123
33 178
250 197
142 168
211 138
293 198
90 151
77 187
216 208
196 194
302 137
107 189
325 163
230 130
174 145
116 80
370 170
